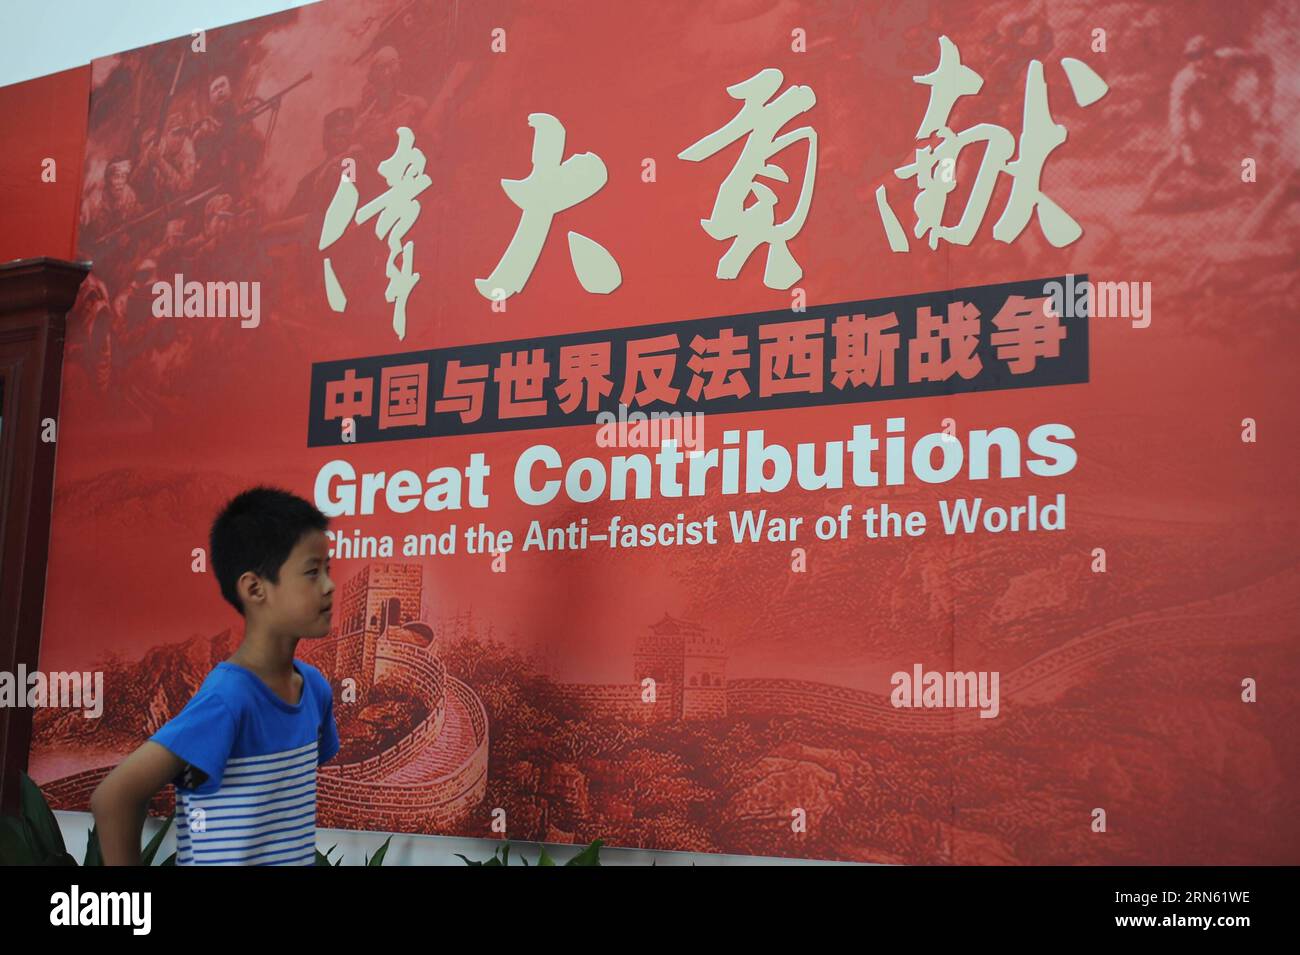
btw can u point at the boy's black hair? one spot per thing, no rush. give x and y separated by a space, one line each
256 531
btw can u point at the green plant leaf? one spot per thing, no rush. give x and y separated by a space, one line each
324 858
44 827
501 856
151 850
16 842
379 856
589 855
94 852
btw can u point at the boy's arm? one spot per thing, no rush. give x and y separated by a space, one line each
121 800
329 743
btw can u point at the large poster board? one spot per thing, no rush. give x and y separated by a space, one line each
970 534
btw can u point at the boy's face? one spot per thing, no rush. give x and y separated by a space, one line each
302 602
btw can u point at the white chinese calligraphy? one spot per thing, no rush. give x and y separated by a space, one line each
397 208
550 188
1040 134
756 225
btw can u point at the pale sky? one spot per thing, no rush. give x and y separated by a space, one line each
45 36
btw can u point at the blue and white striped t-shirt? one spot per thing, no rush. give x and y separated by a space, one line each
247 795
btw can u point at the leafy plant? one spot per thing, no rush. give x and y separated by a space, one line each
323 858
501 856
33 837
378 857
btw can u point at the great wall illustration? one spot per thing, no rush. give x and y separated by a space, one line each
424 783
434 779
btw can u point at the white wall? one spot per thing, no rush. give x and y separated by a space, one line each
353 847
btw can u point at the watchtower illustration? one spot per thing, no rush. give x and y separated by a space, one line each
380 597
689 667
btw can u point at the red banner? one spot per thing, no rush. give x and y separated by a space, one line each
846 431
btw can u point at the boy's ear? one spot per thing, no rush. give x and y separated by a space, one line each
251 587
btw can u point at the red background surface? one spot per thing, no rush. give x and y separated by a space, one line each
40 119
1119 690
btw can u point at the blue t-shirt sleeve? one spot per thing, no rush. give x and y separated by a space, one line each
202 734
329 731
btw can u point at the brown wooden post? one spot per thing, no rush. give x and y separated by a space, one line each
35 295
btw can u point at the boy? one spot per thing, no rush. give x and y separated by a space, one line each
243 752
